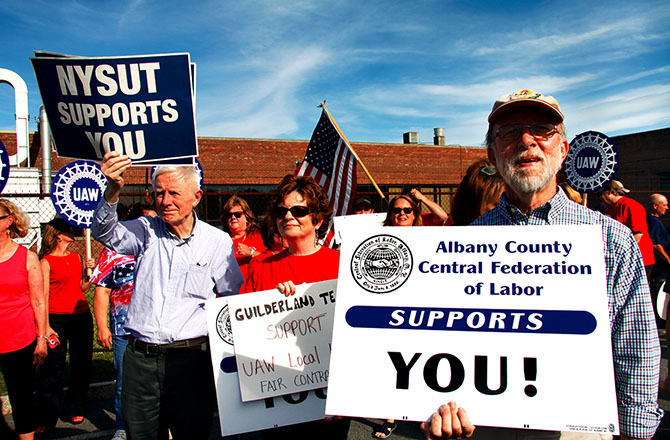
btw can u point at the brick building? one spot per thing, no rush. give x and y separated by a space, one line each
253 168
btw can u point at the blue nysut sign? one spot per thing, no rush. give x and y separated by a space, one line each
76 190
141 106
592 162
4 166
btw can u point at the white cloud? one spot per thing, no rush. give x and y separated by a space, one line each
265 103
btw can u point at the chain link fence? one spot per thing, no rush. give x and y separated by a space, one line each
40 210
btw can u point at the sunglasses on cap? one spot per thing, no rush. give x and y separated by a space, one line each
397 211
296 211
236 214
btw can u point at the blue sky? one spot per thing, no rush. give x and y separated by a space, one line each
384 67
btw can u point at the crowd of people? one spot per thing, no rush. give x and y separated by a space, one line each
160 266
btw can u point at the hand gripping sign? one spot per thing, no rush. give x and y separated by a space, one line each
76 190
592 162
141 106
510 323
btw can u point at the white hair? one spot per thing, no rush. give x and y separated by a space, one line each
188 173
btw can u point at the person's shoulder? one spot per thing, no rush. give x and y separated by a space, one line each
493 217
210 232
328 254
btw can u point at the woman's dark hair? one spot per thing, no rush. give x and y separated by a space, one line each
388 221
50 234
232 202
479 189
315 197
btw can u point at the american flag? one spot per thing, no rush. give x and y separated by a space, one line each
331 162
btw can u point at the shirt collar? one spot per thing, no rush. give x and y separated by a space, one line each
195 231
546 212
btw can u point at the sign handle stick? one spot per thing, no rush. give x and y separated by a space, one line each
585 199
87 235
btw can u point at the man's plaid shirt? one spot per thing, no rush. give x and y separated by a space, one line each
635 344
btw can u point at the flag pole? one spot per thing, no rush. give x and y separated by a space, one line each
323 106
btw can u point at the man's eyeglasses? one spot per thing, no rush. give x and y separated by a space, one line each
397 211
509 133
489 170
2 217
236 214
296 211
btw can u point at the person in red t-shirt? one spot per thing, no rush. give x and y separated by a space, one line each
301 214
632 214
65 281
23 318
238 221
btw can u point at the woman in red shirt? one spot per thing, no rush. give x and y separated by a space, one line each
23 318
301 214
65 282
238 222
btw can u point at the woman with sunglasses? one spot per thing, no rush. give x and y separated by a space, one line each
23 318
301 214
70 320
238 221
403 212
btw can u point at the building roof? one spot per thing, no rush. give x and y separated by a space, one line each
238 161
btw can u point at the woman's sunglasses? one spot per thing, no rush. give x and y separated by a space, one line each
229 215
397 211
296 211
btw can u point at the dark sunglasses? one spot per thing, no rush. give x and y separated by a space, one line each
2 217
397 211
296 211
489 170
229 215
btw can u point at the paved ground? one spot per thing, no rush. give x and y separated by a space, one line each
100 421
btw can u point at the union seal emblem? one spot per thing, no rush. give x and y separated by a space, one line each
223 327
381 264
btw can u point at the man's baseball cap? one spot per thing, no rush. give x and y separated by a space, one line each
525 98
616 187
363 202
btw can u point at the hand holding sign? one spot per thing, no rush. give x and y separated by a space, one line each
113 165
449 421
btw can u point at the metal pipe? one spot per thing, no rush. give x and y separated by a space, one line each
21 112
45 142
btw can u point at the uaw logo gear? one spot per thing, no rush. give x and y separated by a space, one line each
381 264
223 327
76 190
592 162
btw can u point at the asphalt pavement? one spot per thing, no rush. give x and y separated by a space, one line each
99 423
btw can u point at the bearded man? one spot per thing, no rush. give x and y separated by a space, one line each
526 142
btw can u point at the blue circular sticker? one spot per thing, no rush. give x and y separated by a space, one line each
76 190
592 162
4 166
197 166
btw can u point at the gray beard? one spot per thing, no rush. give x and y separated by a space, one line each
522 183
